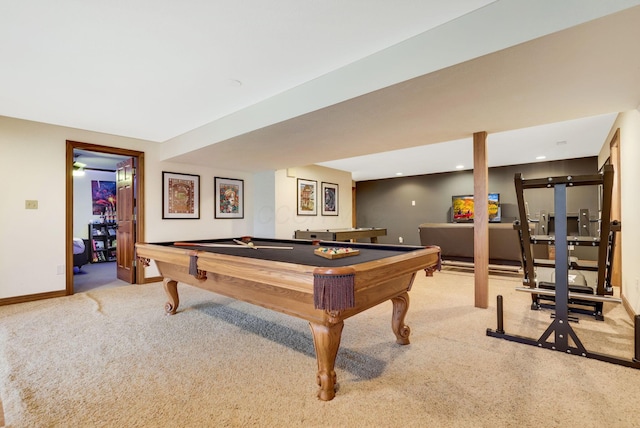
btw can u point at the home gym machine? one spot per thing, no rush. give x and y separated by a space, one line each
561 292
604 242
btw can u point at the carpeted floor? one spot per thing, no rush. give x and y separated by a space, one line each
112 358
93 276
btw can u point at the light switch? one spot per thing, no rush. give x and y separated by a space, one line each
30 204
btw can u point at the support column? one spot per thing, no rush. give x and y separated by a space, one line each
481 219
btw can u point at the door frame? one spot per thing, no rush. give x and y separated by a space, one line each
138 189
616 209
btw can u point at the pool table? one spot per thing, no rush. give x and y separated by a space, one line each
348 234
288 276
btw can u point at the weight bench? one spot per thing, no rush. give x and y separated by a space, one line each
578 285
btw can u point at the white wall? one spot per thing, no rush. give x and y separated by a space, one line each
286 219
159 229
83 203
32 161
264 199
207 226
629 124
270 205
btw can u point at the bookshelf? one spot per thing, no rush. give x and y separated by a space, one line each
103 242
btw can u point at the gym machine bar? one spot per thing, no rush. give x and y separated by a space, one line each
560 327
499 333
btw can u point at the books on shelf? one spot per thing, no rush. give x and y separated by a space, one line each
103 241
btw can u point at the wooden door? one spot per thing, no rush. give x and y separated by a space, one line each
126 210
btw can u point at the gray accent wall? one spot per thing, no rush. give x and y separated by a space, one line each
401 204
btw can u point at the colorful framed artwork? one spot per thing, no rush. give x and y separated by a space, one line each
180 196
229 197
307 197
329 199
103 196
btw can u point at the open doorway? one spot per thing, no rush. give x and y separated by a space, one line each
99 233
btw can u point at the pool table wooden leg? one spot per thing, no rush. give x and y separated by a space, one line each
400 308
171 288
326 340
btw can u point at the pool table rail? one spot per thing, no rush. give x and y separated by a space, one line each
277 285
289 288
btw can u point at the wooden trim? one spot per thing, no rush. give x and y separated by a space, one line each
32 297
151 279
481 219
616 211
353 206
140 210
68 222
103 149
627 307
139 192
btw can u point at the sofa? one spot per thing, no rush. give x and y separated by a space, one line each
456 243
81 252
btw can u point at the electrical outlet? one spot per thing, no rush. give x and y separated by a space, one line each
400 240
31 204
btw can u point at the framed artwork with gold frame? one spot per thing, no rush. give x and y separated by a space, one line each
180 196
307 194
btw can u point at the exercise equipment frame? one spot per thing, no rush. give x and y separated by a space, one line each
563 333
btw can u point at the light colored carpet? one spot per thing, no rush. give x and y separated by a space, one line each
112 358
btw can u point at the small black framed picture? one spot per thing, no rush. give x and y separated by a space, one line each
329 198
229 197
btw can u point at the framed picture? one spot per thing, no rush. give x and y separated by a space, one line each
103 196
307 197
180 196
329 199
229 197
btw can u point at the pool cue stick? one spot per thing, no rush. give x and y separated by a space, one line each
191 244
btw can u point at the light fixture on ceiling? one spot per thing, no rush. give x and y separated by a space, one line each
78 168
459 166
398 173
540 157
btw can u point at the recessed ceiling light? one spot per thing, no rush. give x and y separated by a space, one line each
459 166
398 173
540 157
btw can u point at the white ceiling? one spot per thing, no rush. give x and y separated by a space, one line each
296 82
561 140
